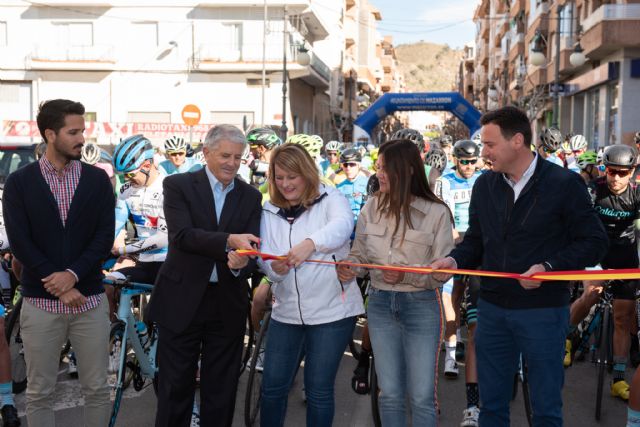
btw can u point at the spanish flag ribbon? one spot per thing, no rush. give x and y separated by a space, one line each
570 275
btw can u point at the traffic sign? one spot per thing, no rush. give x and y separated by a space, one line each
191 115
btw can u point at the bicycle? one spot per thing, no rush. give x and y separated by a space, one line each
254 383
598 322
522 378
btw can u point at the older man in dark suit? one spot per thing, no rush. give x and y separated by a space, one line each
200 298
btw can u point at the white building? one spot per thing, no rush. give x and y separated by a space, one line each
135 64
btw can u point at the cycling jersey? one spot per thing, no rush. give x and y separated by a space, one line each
555 159
328 168
572 165
191 164
144 204
455 191
617 212
356 192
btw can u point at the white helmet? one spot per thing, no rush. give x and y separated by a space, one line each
175 143
333 146
90 153
578 142
199 156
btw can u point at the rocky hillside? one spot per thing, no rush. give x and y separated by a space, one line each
428 67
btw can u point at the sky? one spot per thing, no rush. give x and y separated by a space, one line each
436 21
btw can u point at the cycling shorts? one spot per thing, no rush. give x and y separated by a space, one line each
142 272
471 299
622 256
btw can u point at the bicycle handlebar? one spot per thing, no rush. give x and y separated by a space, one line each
119 283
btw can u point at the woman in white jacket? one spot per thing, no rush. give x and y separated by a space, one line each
313 312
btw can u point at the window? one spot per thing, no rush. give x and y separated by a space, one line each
145 33
74 33
3 34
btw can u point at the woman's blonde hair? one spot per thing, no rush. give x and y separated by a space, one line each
294 159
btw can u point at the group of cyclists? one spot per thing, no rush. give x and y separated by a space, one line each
141 239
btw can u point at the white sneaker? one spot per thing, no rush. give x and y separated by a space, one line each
72 367
450 368
470 417
260 360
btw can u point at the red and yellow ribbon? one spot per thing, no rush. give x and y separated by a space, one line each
571 275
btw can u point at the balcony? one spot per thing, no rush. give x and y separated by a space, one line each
56 57
537 76
517 47
539 13
611 27
516 7
387 63
484 28
483 54
350 31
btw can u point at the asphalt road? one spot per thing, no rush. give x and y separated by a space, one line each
352 410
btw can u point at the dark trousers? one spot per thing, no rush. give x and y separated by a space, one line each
178 362
502 334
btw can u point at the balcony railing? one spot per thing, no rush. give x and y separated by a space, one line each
77 54
611 12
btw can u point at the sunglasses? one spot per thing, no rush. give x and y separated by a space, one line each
176 153
332 154
131 175
349 165
619 172
602 168
468 161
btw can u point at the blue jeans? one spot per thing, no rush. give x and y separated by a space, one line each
502 334
322 346
405 330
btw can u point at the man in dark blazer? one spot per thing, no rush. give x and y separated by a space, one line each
200 297
59 216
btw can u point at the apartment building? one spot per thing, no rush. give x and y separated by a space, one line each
599 98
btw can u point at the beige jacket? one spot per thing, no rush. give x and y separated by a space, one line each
430 238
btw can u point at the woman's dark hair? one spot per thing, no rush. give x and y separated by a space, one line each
52 113
406 177
510 120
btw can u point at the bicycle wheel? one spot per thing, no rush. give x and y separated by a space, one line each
254 383
249 338
16 351
526 397
116 364
373 384
603 353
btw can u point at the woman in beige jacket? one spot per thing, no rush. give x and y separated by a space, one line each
403 224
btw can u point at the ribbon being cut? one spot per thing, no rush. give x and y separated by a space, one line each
614 274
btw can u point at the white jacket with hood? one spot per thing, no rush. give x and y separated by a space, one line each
311 294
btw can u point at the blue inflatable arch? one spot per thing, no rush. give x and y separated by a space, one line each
421 101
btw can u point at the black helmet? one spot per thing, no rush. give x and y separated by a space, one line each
190 151
436 158
264 136
465 148
446 140
619 155
410 134
551 139
350 155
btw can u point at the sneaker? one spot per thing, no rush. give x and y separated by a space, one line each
620 389
459 352
360 379
260 360
470 417
195 420
10 416
567 353
72 367
450 368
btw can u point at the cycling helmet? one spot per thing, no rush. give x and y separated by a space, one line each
465 149
578 142
175 143
566 147
436 158
446 140
199 156
266 137
636 137
40 149
350 155
410 134
308 142
619 155
477 138
333 146
551 139
319 139
374 155
246 153
90 153
131 152
587 158
190 152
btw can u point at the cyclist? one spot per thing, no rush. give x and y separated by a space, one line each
549 143
8 411
91 155
578 145
178 162
261 141
454 188
588 164
141 198
354 180
331 163
446 144
311 143
617 202
436 160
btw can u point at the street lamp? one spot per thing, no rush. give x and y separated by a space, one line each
302 58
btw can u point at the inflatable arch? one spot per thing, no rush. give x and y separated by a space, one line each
421 101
